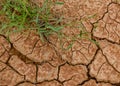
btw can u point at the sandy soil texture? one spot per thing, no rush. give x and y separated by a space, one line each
27 61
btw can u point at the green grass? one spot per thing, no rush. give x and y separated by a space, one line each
22 15
25 15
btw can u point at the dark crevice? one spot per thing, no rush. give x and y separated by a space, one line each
2 54
36 73
33 47
17 38
49 81
97 38
104 13
109 62
100 68
97 82
13 51
58 74
68 79
83 82
22 82
14 69
75 64
3 69
88 73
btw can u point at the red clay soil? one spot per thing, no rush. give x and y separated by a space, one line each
27 61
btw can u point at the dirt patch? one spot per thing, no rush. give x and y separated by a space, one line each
25 60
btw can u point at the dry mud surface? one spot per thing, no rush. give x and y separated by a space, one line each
26 61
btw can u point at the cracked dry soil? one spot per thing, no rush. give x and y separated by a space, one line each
26 61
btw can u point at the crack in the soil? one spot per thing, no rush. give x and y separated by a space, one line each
19 83
100 68
71 76
68 79
36 73
49 81
58 74
14 69
109 62
104 13
3 69
97 82
24 57
34 47
88 73
93 26
2 53
97 38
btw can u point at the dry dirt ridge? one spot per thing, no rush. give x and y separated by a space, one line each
26 61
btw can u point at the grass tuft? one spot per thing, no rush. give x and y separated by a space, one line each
24 15
21 15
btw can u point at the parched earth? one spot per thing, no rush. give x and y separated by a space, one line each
27 61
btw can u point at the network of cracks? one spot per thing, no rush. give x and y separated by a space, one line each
27 61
